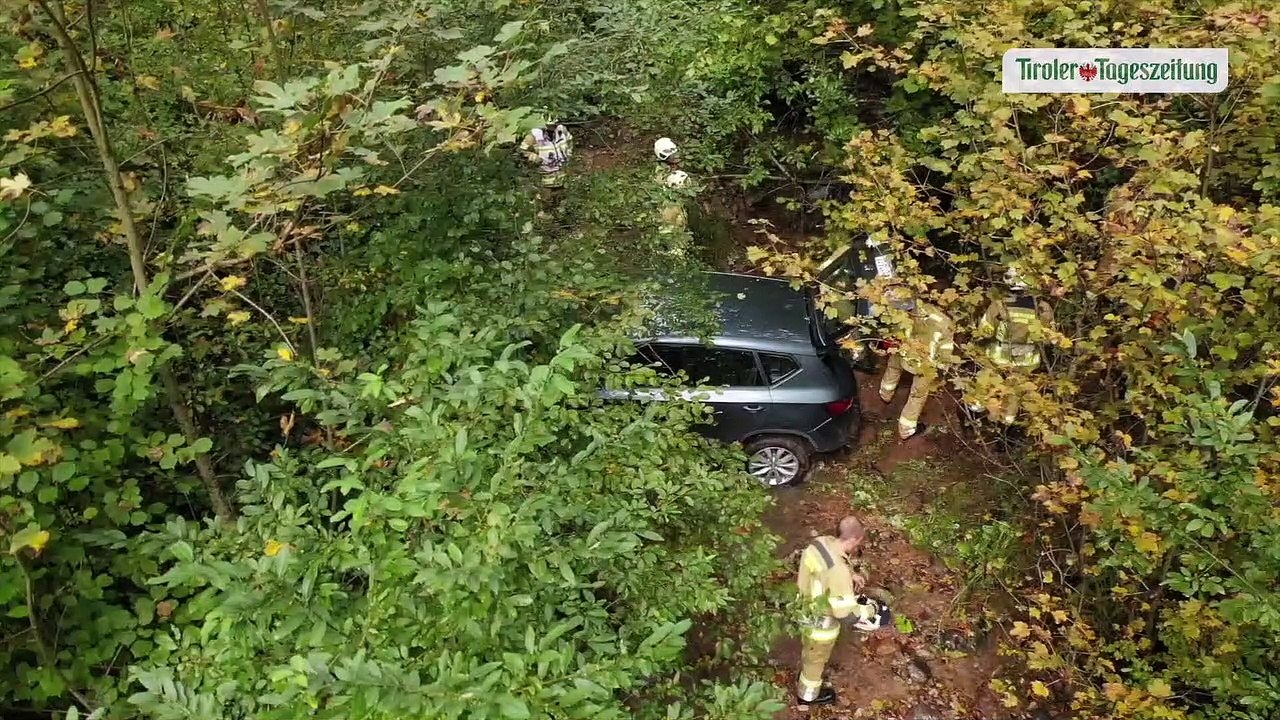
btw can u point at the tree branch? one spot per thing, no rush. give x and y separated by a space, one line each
41 93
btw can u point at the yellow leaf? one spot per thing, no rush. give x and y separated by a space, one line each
165 34
274 547
66 423
1040 689
62 127
361 192
1060 615
285 354
1020 630
12 188
233 282
864 30
1080 105
1148 542
1159 688
239 317
148 82
299 320
386 190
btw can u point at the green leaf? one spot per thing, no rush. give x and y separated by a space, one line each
476 55
145 609
1189 340
202 445
452 74
9 464
75 287
63 471
182 551
284 99
509 31
151 307
513 707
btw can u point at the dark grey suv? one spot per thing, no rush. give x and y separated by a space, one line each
776 382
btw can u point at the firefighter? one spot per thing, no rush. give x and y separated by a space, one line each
829 588
551 149
926 347
673 217
1010 321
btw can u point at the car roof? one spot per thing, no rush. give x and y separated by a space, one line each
749 312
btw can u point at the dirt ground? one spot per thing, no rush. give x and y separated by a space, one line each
939 669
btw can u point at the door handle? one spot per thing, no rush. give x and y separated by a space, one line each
753 408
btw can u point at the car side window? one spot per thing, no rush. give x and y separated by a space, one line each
778 367
711 365
646 356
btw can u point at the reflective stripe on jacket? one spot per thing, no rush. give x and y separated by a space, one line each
1011 324
826 584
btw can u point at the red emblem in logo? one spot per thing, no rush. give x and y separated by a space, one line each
1088 72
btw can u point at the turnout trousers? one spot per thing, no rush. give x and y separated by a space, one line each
921 385
816 644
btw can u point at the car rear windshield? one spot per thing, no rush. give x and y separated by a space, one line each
824 331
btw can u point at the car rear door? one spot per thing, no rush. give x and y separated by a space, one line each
736 386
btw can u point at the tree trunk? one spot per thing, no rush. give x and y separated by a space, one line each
90 106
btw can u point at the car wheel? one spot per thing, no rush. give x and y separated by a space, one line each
778 460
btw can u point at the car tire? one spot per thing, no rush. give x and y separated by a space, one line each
779 460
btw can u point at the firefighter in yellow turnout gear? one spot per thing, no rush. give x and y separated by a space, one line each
829 589
928 344
1014 323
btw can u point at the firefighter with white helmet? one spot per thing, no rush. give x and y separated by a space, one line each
672 217
1015 322
665 150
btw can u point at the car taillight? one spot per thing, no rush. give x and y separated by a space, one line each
840 407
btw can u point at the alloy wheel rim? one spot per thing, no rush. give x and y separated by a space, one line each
774 465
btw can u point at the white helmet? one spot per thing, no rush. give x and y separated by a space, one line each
665 149
677 179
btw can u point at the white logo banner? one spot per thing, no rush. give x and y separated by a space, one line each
1114 70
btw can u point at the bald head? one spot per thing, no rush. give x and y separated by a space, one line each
852 532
